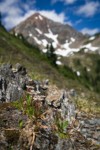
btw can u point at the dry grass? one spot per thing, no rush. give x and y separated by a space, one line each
88 106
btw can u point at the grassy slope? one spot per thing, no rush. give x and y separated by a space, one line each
90 79
14 50
88 66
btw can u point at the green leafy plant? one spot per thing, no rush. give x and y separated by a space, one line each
21 124
61 127
29 99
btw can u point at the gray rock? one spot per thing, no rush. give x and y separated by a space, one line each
67 107
73 93
50 141
84 130
93 122
21 69
12 83
18 66
97 121
3 87
13 92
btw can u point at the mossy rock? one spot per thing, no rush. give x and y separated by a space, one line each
12 136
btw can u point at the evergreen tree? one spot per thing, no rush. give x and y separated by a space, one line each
47 47
51 55
0 19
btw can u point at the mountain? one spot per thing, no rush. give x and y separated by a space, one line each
41 31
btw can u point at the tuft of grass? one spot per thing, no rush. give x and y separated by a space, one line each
29 107
61 126
21 124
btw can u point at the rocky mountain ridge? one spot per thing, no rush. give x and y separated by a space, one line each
41 31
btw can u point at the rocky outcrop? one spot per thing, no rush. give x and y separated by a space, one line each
45 118
12 82
90 127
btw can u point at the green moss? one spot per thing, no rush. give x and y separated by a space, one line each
63 135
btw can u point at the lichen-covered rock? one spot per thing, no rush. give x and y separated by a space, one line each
12 83
3 87
61 100
20 69
13 92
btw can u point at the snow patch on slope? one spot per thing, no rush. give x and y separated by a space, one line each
72 39
37 41
89 47
44 42
65 49
53 37
36 18
38 30
58 58
40 17
88 69
92 38
86 50
30 35
65 52
44 50
58 62
16 34
78 73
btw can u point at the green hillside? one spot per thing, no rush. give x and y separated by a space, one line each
15 50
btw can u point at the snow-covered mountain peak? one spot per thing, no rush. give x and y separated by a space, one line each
41 31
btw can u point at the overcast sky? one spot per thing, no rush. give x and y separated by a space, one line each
83 15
